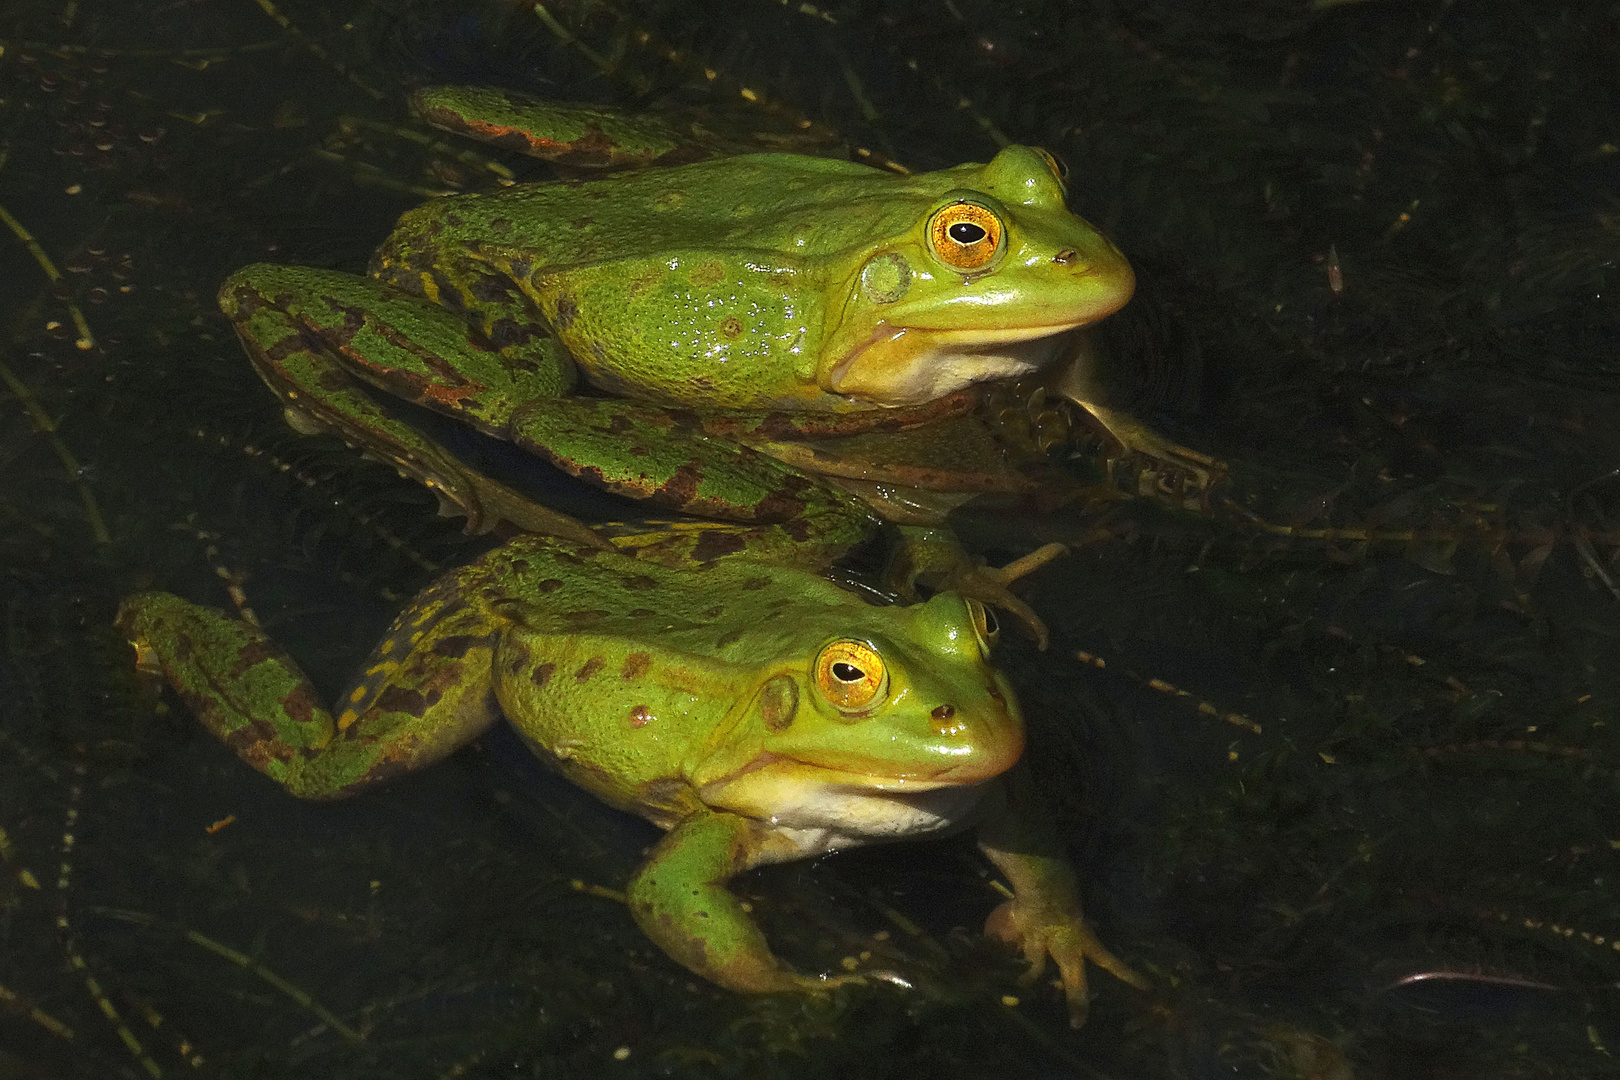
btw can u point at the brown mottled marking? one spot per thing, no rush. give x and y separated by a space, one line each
589 668
708 273
731 326
410 702
549 585
542 674
257 744
638 582
682 485
635 666
640 716
730 637
300 703
249 655
518 658
567 312
712 544
456 645
754 583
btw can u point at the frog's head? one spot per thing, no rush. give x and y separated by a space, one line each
880 716
983 285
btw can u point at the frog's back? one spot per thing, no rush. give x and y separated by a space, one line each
616 670
789 205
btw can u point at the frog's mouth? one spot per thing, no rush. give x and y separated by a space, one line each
778 766
909 365
826 809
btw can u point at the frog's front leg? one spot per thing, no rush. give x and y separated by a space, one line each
426 690
680 900
314 334
1043 918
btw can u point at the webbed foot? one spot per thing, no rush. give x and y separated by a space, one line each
1148 464
990 586
1040 930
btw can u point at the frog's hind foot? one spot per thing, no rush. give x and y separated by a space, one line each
991 587
1145 463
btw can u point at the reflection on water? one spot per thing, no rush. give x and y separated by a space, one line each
1373 837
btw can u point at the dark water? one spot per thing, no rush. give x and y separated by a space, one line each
1379 239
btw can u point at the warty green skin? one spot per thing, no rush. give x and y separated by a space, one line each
686 696
738 282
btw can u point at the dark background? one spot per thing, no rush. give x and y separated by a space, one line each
1377 244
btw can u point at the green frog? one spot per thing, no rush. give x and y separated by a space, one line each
757 712
710 330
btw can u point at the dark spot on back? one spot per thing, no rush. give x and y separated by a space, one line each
490 288
756 583
681 487
635 666
410 702
639 582
456 646
730 637
542 674
549 585
712 544
589 668
250 654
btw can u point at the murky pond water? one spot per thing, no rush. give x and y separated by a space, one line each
1334 748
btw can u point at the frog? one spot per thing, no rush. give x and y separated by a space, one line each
695 311
755 711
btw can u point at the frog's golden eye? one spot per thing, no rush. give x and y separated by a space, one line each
850 674
985 625
965 236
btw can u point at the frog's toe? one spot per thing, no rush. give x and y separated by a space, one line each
1065 937
989 586
816 984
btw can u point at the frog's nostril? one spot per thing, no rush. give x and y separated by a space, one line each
1066 256
945 722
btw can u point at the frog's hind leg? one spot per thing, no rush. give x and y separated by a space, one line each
666 458
426 690
313 335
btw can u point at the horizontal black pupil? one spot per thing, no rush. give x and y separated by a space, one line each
965 232
847 673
